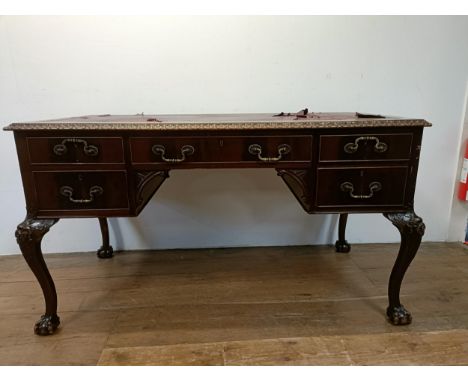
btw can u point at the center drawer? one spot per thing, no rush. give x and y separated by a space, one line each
72 190
260 149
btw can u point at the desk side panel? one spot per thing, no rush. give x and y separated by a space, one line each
26 175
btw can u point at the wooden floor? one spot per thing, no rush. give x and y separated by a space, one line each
243 306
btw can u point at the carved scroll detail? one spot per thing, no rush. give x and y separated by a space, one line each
299 182
147 184
32 229
407 222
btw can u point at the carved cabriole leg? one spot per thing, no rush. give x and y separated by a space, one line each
341 244
29 235
106 251
412 229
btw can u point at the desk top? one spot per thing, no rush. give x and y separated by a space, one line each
300 120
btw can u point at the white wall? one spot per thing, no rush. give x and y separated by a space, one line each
66 66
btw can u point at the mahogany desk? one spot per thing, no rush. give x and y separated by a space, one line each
104 166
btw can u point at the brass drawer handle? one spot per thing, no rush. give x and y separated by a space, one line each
89 150
379 147
373 187
256 149
67 191
185 151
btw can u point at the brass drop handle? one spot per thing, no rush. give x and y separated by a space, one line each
89 150
256 149
185 151
379 147
67 191
373 187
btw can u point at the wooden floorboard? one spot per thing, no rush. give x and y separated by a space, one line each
302 305
427 348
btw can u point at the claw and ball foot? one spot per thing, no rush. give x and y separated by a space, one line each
398 315
105 252
342 246
47 325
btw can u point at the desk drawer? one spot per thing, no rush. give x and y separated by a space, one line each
376 186
364 147
57 190
222 149
75 150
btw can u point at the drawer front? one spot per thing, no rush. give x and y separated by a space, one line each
362 147
222 149
377 186
75 150
57 190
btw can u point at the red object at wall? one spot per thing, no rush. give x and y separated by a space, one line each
463 185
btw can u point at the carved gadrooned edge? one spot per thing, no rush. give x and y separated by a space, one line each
297 181
407 222
33 229
47 325
147 184
398 315
309 124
